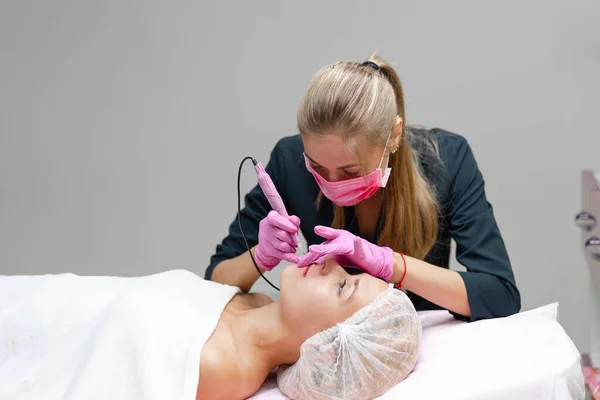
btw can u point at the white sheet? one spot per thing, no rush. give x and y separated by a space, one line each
64 337
525 356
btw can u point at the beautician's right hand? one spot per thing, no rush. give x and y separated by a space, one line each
275 242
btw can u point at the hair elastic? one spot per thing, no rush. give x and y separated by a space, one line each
372 65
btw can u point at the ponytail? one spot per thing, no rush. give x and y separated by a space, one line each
411 211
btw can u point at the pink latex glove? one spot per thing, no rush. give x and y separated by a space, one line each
275 241
374 260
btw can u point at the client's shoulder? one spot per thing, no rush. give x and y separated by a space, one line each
219 366
218 372
227 373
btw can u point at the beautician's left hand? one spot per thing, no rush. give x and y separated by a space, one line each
374 260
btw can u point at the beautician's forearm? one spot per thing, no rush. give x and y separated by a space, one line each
238 271
441 286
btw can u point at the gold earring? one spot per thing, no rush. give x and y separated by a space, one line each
395 150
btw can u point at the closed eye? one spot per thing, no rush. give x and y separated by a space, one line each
342 286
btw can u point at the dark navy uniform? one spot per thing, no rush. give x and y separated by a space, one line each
466 216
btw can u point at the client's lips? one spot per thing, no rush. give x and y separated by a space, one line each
305 271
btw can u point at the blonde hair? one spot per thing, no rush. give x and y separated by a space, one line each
362 103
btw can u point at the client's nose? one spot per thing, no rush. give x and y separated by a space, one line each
327 266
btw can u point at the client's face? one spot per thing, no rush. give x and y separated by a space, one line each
317 297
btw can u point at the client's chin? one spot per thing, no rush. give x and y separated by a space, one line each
291 277
293 271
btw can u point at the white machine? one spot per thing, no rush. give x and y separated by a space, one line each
590 235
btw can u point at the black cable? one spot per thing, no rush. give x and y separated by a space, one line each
240 218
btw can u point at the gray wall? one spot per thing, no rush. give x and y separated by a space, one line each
122 124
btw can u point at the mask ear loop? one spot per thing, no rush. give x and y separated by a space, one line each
384 150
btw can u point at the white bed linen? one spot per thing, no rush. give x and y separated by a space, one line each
524 356
66 337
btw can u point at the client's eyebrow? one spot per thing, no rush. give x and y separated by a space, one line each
343 167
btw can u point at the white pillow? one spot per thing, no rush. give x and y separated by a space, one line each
524 356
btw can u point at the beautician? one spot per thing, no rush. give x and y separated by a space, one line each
383 197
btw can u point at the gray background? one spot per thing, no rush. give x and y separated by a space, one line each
122 124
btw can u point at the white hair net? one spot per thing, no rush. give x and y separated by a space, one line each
361 358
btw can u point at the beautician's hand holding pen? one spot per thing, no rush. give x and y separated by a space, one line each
275 240
277 232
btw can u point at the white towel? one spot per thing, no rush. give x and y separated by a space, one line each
69 337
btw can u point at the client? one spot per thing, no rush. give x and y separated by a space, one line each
335 336
174 335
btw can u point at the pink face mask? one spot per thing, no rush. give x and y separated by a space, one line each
350 192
